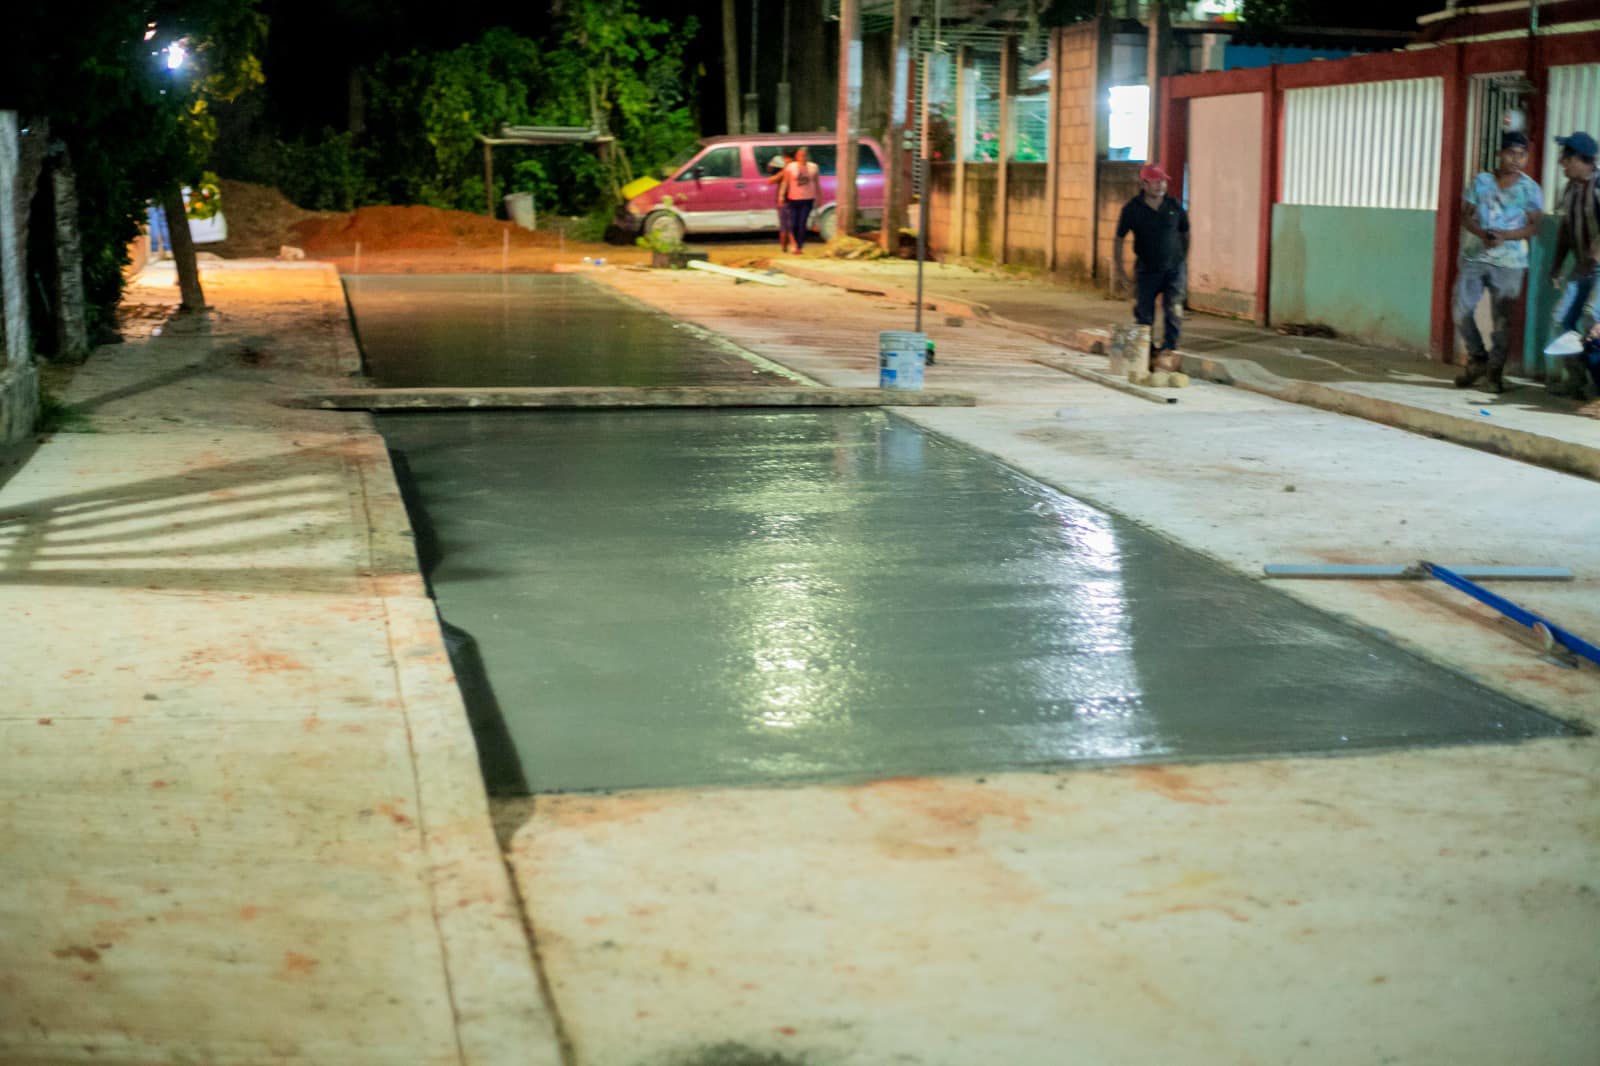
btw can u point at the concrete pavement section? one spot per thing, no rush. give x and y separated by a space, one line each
240 814
1393 387
1422 907
240 822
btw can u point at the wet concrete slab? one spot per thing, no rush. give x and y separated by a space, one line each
532 329
702 598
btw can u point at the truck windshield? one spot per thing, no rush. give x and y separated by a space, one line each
676 163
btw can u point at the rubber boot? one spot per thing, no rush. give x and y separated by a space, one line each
1496 381
1469 377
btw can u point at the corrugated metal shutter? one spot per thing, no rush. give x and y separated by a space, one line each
1573 103
1372 144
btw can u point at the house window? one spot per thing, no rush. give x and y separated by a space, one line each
1130 122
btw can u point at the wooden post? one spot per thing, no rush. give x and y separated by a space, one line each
1271 179
1155 69
1004 143
1100 115
896 191
488 179
1052 159
730 66
958 200
844 183
925 198
1447 228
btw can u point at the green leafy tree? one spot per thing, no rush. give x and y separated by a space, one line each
602 62
134 127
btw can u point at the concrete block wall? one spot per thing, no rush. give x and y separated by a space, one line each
1027 215
981 218
1118 184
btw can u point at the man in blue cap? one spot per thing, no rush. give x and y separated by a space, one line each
1579 236
1502 211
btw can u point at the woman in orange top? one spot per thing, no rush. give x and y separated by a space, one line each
800 196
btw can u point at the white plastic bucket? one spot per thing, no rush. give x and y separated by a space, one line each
901 354
519 209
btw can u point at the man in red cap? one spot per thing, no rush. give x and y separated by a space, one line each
1160 228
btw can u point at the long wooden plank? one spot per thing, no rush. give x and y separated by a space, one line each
452 399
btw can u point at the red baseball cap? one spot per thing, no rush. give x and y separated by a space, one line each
1153 172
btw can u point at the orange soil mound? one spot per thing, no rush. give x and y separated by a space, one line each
393 229
260 220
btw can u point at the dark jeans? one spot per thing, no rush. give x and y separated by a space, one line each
799 212
1169 285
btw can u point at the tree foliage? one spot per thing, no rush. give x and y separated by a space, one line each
601 62
132 126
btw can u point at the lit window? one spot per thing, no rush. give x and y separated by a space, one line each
1130 122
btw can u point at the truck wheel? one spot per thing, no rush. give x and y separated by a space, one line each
827 224
666 225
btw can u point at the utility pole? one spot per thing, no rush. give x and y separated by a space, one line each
896 193
730 65
752 98
845 125
784 112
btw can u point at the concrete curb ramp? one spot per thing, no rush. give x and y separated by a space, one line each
447 399
1552 452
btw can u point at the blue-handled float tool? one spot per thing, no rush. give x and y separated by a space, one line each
1460 578
1552 635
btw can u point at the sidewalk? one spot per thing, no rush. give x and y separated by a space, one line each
1397 388
240 810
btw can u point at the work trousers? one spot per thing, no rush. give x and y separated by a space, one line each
1171 286
1504 285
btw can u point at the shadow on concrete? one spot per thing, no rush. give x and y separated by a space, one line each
201 530
497 753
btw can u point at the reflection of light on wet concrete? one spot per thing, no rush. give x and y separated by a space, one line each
530 329
692 598
1106 706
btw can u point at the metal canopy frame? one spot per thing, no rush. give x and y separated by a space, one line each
532 136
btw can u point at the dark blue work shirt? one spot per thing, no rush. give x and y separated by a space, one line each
1160 235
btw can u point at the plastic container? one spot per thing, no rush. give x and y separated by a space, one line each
900 359
519 209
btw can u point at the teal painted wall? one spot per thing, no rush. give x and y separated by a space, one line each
1365 271
1542 298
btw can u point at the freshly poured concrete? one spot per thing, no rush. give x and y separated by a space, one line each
530 329
694 598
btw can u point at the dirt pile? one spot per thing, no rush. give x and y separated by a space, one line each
398 229
260 221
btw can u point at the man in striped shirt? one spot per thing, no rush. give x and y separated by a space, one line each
1579 236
